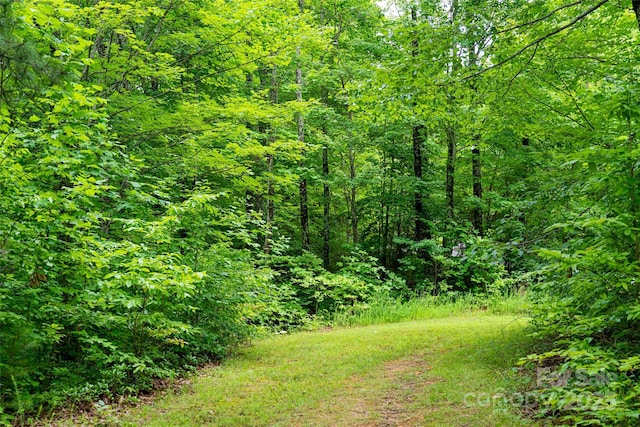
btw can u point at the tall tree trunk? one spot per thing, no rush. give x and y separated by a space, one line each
450 171
418 143
354 194
385 252
633 188
476 162
450 130
304 203
326 199
636 8
384 191
250 196
417 137
270 211
476 214
386 259
304 214
327 206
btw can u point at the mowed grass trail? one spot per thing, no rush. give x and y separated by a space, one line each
439 372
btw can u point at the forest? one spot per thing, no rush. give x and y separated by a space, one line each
177 176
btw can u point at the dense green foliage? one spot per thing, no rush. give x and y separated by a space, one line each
177 175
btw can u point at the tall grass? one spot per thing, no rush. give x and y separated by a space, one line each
387 310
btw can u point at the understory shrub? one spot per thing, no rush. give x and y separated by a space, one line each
473 264
588 307
303 292
101 291
117 315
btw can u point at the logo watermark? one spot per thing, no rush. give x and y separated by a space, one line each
552 381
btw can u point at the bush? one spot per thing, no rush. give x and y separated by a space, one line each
303 291
587 306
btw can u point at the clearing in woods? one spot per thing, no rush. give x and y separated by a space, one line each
440 372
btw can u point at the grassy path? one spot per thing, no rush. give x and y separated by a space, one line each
440 372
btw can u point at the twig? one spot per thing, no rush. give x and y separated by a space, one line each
555 110
515 76
540 39
535 21
575 101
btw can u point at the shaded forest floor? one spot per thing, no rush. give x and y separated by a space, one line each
454 371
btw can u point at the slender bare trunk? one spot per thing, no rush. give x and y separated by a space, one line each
270 211
450 171
632 193
326 235
418 143
476 214
304 202
270 206
417 136
450 130
354 194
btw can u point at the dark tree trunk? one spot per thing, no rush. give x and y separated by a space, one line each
476 214
450 131
304 215
386 259
326 199
270 210
352 191
383 218
327 206
450 172
633 191
353 195
636 8
418 143
417 136
252 203
249 83
414 42
304 202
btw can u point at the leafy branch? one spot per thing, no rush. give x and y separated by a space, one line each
540 39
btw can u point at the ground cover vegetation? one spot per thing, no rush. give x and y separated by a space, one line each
176 175
411 373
